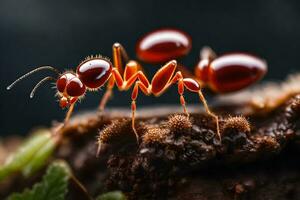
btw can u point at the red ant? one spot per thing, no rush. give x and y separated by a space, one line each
94 72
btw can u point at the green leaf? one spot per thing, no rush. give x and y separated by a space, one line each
116 195
39 159
54 185
30 156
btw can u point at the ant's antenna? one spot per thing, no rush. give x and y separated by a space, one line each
31 72
39 84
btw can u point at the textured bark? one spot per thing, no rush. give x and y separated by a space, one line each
182 158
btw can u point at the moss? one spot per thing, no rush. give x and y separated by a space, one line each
117 131
239 123
179 124
155 135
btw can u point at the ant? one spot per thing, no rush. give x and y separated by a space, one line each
92 73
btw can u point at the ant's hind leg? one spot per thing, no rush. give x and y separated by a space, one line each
134 95
194 86
133 110
202 98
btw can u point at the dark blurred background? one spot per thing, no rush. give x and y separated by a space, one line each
61 34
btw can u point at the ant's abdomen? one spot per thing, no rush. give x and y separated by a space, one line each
232 72
163 45
95 72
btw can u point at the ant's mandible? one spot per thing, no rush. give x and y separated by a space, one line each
223 74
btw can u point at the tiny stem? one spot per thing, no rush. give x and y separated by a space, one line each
82 189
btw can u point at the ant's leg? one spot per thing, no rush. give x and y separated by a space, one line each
67 118
119 54
194 86
143 83
131 73
133 110
182 100
202 98
134 96
69 113
108 93
115 78
131 68
179 78
125 85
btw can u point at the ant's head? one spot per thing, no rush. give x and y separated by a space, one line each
69 88
68 85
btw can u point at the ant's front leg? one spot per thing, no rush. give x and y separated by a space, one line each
66 120
69 113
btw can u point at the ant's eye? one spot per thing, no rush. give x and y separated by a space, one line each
75 87
61 83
